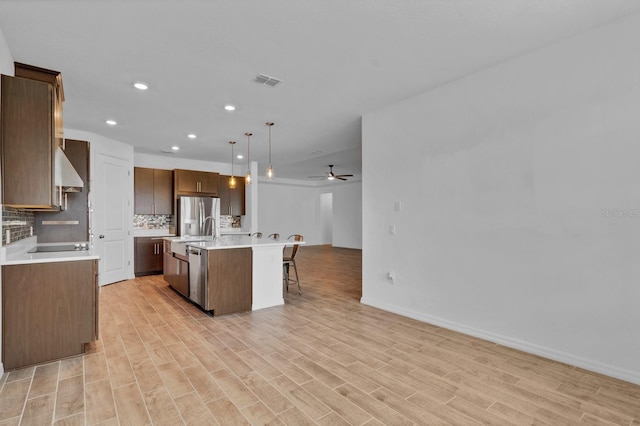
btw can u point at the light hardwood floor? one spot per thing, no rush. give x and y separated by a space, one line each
322 358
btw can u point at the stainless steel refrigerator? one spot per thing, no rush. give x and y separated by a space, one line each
198 216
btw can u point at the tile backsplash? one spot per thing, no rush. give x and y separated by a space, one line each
152 221
230 221
19 223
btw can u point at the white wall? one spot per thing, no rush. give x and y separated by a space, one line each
169 163
293 207
347 215
6 60
6 67
289 209
520 219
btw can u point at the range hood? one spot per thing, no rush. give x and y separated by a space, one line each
66 176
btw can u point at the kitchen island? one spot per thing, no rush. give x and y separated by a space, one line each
241 273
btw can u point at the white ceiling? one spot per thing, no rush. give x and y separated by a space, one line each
337 59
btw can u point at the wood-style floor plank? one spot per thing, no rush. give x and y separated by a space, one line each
322 358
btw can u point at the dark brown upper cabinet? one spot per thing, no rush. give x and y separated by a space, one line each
192 182
53 78
28 144
231 200
153 191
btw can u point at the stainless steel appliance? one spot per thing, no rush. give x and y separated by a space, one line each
199 216
198 288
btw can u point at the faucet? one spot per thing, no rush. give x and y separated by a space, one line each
213 226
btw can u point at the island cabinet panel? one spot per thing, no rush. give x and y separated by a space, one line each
28 143
192 182
230 280
49 311
153 191
232 200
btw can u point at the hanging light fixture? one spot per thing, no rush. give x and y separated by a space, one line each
247 178
269 169
232 179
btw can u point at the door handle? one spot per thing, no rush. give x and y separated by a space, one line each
101 236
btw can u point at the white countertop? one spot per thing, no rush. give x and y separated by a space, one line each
16 254
231 242
143 232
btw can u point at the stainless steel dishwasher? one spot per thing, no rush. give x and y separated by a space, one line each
198 289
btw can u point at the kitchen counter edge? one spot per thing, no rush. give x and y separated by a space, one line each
231 242
17 254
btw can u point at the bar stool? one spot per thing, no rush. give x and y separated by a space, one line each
274 237
256 235
289 258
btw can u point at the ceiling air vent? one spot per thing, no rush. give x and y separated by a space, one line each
266 80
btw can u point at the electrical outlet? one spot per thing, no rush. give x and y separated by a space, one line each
392 230
391 277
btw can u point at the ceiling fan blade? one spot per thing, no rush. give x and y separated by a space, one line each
340 177
316 177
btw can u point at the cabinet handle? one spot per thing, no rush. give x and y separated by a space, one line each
65 201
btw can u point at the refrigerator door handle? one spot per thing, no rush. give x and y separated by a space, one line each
202 217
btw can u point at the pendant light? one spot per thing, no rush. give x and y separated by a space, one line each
269 169
232 179
247 178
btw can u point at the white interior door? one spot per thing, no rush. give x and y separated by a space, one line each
112 219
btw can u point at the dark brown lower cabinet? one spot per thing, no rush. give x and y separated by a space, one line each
148 257
49 311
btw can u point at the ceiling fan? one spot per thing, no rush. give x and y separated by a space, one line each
331 176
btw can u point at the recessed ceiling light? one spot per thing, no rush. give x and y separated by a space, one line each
140 86
239 156
111 122
229 107
175 148
192 136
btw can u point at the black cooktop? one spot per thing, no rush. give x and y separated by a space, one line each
60 247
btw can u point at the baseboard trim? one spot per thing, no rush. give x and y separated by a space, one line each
545 352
